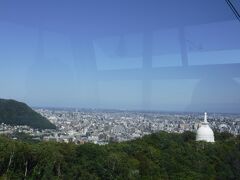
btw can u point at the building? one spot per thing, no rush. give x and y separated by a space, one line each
205 133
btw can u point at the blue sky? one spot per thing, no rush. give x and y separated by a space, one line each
121 54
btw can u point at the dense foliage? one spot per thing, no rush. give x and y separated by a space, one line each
157 156
17 113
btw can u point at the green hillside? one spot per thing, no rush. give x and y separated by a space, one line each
18 113
157 156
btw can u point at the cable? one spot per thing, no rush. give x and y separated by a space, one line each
233 9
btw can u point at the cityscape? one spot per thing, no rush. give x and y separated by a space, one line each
103 126
119 90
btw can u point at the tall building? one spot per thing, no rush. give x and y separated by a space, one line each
205 133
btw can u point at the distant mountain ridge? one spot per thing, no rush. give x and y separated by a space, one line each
17 113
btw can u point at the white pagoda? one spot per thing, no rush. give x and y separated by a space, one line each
205 133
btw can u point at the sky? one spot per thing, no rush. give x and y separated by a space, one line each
122 54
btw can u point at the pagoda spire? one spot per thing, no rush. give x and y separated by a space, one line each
205 117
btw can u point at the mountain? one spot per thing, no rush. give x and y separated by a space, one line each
17 113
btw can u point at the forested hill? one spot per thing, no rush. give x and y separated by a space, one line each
157 156
17 113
